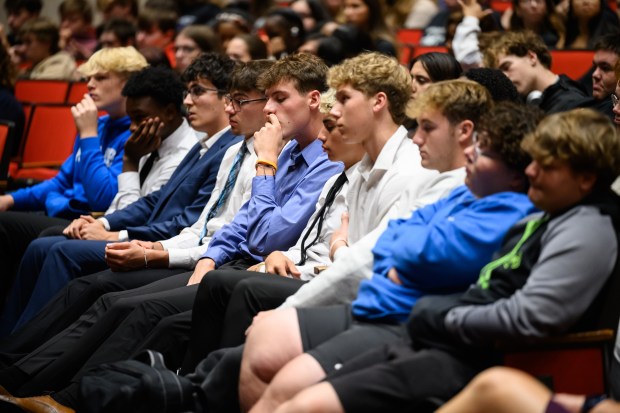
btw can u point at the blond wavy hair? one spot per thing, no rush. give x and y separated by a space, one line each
457 100
583 138
327 101
371 73
121 60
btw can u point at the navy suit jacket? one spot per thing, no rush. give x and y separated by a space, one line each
178 204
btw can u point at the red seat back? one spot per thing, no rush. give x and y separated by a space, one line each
50 137
76 92
572 63
41 91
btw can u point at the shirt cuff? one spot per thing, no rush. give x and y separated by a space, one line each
264 185
105 223
90 143
123 235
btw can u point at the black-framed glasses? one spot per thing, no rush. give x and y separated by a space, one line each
614 100
237 104
195 91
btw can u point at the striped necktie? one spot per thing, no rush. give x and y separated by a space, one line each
230 183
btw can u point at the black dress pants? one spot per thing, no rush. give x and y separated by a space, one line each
225 307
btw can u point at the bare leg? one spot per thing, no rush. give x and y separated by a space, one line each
320 398
500 390
298 374
272 342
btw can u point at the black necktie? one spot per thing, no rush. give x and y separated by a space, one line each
320 216
148 165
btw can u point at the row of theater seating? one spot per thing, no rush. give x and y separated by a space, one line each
49 131
572 63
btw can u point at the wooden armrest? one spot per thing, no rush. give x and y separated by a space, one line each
581 339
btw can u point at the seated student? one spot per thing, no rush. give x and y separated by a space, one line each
566 254
525 59
272 218
117 33
156 29
87 180
18 12
439 249
154 99
226 303
162 213
77 34
40 50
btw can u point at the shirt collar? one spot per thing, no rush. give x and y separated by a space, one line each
172 142
385 160
249 143
208 141
311 152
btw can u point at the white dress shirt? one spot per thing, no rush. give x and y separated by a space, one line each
318 254
171 152
339 283
205 141
183 249
378 186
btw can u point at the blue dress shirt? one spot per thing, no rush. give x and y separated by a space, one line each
279 208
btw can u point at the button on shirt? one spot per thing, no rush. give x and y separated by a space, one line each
183 250
280 206
171 152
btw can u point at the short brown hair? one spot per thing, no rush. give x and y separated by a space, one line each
43 30
583 138
306 71
246 75
457 100
518 44
80 7
372 73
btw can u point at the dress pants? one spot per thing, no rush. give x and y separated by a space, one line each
69 304
64 261
100 335
17 230
225 306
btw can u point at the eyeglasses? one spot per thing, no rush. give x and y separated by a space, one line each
614 100
196 91
237 104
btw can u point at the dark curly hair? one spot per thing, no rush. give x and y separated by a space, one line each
503 128
214 67
498 84
160 83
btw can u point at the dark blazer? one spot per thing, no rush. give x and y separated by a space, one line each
178 204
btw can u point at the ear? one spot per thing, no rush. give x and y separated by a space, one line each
532 58
379 102
587 180
464 131
314 99
170 113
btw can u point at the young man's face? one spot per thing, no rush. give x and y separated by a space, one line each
290 107
353 113
105 89
17 18
335 146
73 22
520 72
152 37
437 140
245 112
204 106
486 172
140 109
185 51
603 77
34 49
109 39
554 187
